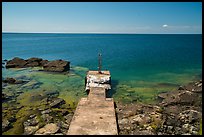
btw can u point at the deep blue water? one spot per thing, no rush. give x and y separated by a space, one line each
138 54
161 58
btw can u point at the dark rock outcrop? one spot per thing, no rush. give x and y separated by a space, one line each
43 62
52 66
16 63
33 62
57 66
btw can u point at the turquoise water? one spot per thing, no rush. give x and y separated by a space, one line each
141 65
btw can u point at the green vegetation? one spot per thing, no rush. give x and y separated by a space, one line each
200 131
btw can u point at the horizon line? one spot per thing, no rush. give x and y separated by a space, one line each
95 32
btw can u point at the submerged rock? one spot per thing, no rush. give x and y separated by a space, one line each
53 93
57 102
32 85
13 81
9 80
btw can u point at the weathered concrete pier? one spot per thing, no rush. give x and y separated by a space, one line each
95 115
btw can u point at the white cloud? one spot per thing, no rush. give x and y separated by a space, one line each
165 25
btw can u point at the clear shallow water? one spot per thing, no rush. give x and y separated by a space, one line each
141 65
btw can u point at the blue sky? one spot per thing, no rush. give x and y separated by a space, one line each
103 17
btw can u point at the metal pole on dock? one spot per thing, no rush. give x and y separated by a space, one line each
99 63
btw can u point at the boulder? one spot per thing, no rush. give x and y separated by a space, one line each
16 63
57 66
33 62
43 62
29 130
48 129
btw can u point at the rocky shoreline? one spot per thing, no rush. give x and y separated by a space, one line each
179 112
34 113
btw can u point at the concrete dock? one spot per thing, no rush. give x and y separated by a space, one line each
95 115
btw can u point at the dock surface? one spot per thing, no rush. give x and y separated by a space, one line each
94 115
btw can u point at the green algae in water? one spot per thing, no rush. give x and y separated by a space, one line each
71 86
146 90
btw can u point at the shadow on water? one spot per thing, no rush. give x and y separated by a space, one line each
111 92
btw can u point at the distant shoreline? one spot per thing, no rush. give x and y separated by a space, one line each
100 33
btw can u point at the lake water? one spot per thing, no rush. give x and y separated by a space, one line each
141 65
